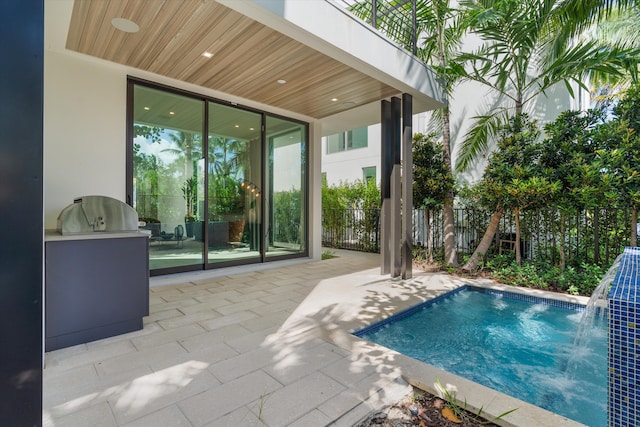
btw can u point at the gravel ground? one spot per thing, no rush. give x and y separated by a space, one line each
422 409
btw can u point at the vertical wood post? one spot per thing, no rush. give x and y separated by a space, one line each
407 187
385 186
396 218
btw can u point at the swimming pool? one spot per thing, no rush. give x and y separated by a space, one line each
519 345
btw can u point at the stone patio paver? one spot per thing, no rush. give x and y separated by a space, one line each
227 350
272 347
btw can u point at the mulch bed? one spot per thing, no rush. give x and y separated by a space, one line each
422 409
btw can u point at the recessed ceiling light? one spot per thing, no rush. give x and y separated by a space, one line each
334 99
171 113
281 81
207 54
147 108
251 129
237 126
125 25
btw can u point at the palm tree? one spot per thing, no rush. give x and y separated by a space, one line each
438 30
526 52
522 57
618 28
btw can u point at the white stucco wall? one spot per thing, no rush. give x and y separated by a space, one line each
84 132
347 165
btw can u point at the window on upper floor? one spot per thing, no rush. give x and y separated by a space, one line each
369 173
356 138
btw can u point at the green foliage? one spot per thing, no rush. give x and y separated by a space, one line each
621 155
432 178
339 205
581 280
461 411
287 216
225 197
189 192
327 255
569 157
151 133
514 178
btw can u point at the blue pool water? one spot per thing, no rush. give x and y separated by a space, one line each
519 348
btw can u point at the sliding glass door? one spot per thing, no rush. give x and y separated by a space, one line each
234 184
286 187
168 174
237 195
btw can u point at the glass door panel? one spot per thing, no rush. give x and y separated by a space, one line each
286 187
234 184
168 175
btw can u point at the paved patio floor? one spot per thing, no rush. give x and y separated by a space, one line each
270 347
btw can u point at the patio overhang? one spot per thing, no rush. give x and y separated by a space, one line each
335 68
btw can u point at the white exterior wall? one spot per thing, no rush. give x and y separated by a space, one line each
84 132
347 165
468 100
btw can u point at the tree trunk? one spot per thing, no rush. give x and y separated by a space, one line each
634 227
596 237
429 242
563 256
450 256
517 243
484 244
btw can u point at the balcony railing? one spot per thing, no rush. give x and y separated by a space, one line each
396 19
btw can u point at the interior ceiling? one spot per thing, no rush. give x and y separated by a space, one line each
248 57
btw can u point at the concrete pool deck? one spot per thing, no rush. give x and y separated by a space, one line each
268 347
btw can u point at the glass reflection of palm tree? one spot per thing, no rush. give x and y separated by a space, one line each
228 157
227 168
188 148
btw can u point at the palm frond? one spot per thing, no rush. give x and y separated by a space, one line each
476 141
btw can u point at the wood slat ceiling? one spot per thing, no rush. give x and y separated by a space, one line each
248 58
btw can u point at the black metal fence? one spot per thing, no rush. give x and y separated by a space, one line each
594 235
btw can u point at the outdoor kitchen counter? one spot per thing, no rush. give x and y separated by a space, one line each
96 286
54 236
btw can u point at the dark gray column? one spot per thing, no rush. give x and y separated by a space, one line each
396 219
407 187
386 163
21 110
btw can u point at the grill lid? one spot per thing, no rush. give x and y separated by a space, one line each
89 214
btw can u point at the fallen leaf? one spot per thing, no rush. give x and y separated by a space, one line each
438 403
450 415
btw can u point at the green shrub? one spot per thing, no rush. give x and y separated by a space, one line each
542 275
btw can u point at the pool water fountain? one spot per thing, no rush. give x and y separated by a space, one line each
595 313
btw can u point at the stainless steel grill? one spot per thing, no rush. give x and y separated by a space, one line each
90 214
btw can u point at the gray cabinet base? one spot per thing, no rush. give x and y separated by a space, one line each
94 289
